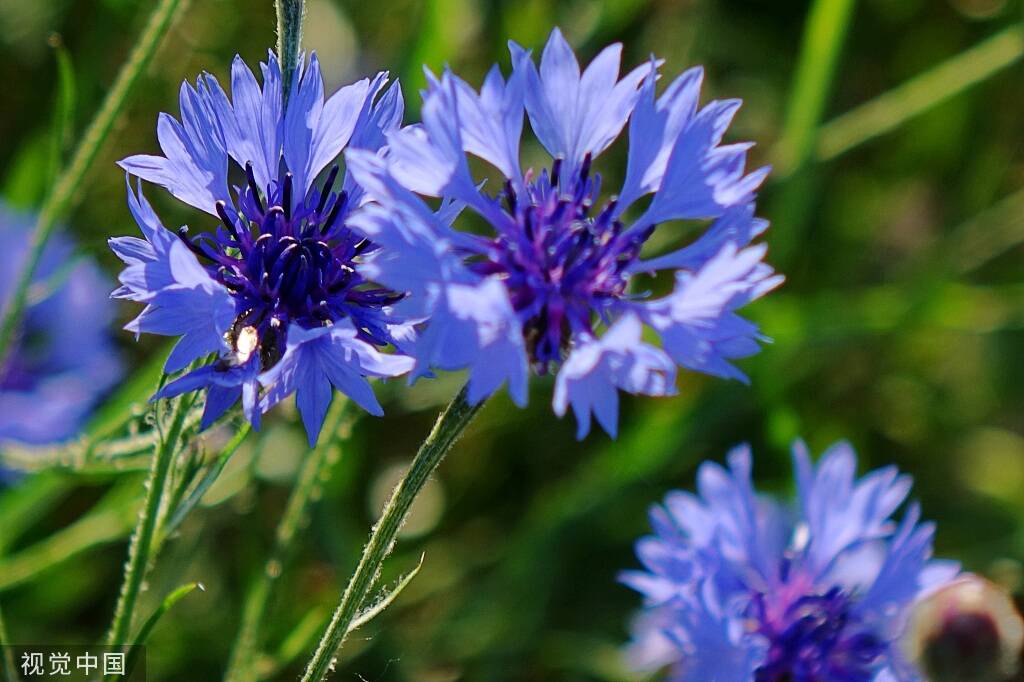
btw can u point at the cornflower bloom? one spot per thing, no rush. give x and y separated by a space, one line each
740 587
62 359
276 289
548 285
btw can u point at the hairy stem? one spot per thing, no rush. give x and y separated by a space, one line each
316 470
59 200
141 547
450 425
289 39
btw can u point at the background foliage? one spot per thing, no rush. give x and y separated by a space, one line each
899 225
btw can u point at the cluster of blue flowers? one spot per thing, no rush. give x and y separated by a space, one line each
307 280
301 288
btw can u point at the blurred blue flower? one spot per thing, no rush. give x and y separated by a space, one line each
62 359
739 587
282 261
552 286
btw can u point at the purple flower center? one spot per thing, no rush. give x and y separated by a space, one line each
563 263
816 638
290 262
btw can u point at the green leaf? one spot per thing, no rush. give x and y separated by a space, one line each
91 455
921 94
386 600
166 605
64 107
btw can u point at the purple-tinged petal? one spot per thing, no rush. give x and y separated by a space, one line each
654 128
576 115
337 122
194 165
737 225
225 384
696 322
379 117
492 121
841 513
195 308
252 121
319 358
595 371
473 326
301 117
429 158
417 248
701 179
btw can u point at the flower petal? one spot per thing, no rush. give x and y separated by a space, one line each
595 371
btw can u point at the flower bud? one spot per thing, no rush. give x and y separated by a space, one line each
967 631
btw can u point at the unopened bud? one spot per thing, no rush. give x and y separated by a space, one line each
967 631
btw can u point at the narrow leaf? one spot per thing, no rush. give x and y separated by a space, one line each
64 107
386 600
920 94
166 605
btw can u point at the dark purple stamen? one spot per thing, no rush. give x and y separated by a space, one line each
291 263
192 246
222 211
564 266
287 194
339 203
819 638
254 189
325 193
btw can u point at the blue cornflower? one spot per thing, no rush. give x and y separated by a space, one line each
62 359
739 587
549 285
276 289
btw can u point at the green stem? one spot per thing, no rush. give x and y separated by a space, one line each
450 425
828 23
141 546
316 470
59 200
825 33
289 39
10 672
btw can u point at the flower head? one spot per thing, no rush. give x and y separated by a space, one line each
552 284
62 358
740 587
279 276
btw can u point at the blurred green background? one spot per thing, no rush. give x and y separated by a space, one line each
897 216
